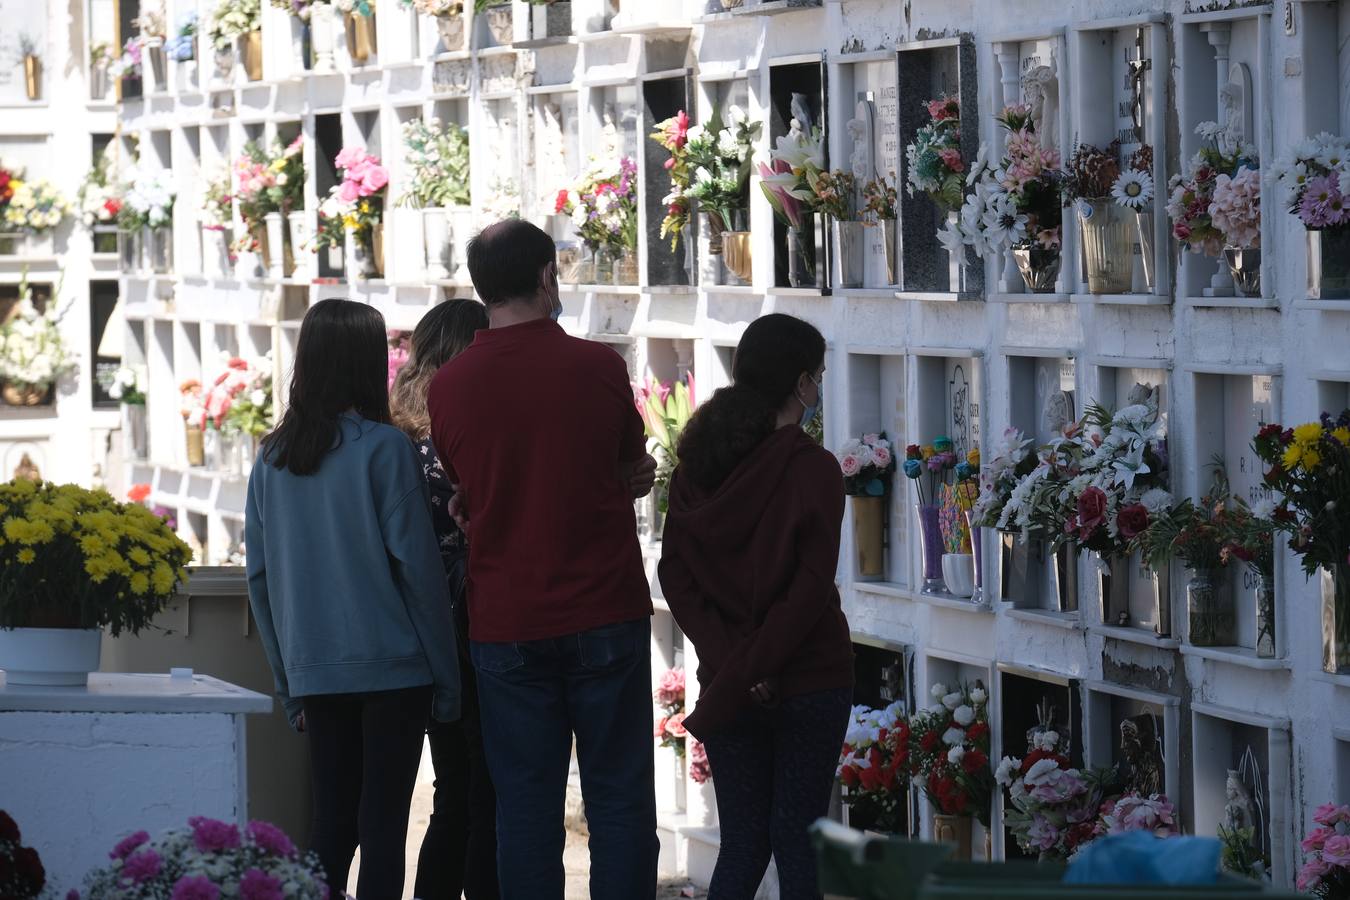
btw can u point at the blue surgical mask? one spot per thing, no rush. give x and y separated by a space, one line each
557 313
810 412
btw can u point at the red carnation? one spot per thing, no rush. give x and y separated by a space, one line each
929 741
976 731
1268 431
974 761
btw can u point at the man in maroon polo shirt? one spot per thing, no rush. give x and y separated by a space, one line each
540 432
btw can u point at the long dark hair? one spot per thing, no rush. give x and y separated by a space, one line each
341 364
773 353
444 332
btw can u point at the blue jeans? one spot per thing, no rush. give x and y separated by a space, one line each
535 695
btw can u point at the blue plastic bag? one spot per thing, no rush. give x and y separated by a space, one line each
1137 857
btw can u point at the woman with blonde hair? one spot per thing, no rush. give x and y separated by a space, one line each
459 852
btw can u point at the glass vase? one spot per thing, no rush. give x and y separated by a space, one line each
1336 619
976 535
1329 263
1039 267
1244 264
930 540
626 267
604 265
1209 611
1265 615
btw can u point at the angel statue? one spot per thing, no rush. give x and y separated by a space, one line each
1238 812
1141 766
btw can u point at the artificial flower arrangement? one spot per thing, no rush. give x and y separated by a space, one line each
795 167
148 202
251 413
1194 532
930 466
151 22
836 195
438 159
502 201
256 193
718 157
34 207
124 386
669 696
879 200
955 501
1011 461
356 7
673 135
331 227
1326 868
1052 808
190 397
700 770
868 465
208 860
1091 173
602 204
128 63
1194 195
361 192
1316 179
874 768
77 558
665 409
217 202
99 197
949 751
1018 203
242 382
231 20
33 354
936 167
22 876
183 45
101 55
1308 469
435 8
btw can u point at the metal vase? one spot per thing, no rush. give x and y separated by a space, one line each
98 81
716 226
888 237
1066 577
1244 264
1020 563
1108 245
1144 225
360 36
849 243
1329 263
1039 267
129 251
930 542
196 446
155 65
955 830
134 431
1115 585
1336 619
869 514
1212 621
1265 615
251 55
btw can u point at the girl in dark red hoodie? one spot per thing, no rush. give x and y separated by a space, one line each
748 562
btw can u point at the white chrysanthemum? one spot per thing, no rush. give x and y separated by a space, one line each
1265 507
1133 190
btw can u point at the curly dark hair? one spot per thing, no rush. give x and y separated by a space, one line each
773 354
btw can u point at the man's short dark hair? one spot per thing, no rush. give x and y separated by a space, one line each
505 260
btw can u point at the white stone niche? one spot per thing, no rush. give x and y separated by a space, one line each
877 403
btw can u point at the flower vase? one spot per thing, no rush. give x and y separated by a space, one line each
153 63
1020 563
323 29
297 225
32 75
377 248
251 55
224 60
1209 611
869 530
958 573
687 242
50 656
930 540
803 271
16 394
1329 263
1108 245
626 267
129 251
275 244
451 29
849 243
888 234
604 265
1144 226
1039 267
212 451
956 830
104 239
1336 619
738 255
161 249
133 430
716 226
360 36
1265 615
196 446
977 595
436 235
1244 265
1066 577
1114 571
98 82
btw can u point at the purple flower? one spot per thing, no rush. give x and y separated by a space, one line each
128 844
1321 205
195 887
258 885
213 835
271 839
141 866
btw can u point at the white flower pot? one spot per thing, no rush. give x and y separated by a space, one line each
435 228
958 571
50 656
155 65
216 253
276 241
323 29
298 223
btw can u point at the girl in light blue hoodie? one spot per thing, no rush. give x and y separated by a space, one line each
347 587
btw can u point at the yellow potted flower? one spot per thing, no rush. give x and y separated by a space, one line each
72 562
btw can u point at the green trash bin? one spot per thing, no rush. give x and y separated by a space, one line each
856 866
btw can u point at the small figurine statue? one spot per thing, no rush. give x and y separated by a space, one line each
1237 811
1142 395
27 469
800 108
1058 412
1040 88
1141 765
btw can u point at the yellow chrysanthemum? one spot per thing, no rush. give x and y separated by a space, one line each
1311 458
162 578
99 568
138 556
1342 434
140 584
26 555
1310 433
1293 455
92 545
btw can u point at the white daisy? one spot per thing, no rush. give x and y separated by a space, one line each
1133 189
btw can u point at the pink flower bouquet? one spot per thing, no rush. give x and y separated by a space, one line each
1326 871
1236 209
867 465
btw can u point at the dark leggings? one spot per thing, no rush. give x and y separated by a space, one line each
364 751
773 772
459 852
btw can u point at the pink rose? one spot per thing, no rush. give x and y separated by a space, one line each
1312 873
1314 841
871 439
1336 850
881 456
349 192
374 178
850 464
1330 814
347 157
